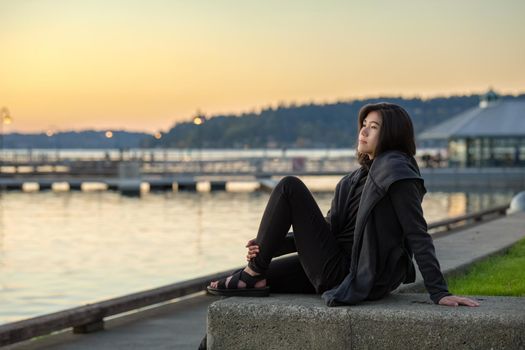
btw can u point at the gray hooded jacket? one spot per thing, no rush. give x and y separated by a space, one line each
389 231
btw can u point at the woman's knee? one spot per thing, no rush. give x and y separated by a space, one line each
291 182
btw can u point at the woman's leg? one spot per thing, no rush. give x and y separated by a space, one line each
286 275
292 204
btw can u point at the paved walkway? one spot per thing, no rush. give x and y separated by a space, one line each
182 325
458 250
179 325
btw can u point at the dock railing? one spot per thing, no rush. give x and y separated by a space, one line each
442 227
90 317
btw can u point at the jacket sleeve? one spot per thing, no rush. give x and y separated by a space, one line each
406 198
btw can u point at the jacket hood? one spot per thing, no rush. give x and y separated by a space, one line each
392 166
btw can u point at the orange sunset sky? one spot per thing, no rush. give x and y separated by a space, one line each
144 65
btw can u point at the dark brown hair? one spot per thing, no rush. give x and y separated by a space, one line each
396 132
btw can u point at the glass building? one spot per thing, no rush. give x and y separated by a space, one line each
489 135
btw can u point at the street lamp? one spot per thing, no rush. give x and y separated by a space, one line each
157 136
53 142
198 120
109 135
5 119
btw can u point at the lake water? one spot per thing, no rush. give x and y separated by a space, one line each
64 249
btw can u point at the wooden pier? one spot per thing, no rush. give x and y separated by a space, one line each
130 170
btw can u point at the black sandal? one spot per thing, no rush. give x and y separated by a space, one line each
233 291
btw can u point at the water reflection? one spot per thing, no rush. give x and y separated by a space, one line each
460 203
198 240
2 252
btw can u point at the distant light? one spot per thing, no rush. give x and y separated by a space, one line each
197 120
50 133
109 134
6 117
157 135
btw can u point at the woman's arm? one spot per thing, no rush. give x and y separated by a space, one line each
406 198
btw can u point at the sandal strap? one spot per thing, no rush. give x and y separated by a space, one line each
222 282
234 281
250 280
237 276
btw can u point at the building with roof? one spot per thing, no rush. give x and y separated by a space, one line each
489 135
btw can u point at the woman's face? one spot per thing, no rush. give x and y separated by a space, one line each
369 134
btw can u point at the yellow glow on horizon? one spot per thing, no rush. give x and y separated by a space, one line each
108 134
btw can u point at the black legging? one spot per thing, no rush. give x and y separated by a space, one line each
320 263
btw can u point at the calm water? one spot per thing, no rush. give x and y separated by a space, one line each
62 249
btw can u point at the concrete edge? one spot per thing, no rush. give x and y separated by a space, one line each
401 321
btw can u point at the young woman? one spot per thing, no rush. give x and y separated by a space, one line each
363 248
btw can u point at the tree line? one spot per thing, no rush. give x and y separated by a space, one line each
304 126
330 125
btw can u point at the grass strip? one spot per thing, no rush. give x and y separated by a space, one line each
502 275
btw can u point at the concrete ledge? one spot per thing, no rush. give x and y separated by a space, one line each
401 321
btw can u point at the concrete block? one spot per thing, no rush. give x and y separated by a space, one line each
45 185
217 185
11 185
160 185
75 185
113 185
190 186
130 187
401 321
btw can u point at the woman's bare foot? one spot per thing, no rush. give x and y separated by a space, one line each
241 284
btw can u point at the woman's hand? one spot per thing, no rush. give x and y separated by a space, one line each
454 300
253 249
